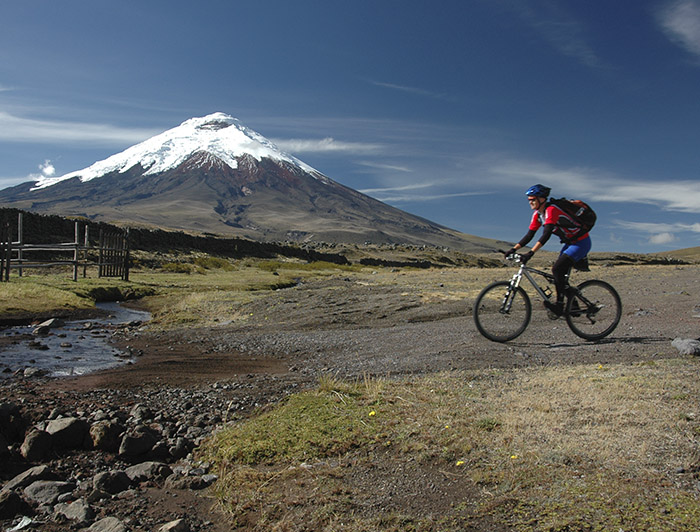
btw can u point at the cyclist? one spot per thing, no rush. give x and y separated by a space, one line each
577 242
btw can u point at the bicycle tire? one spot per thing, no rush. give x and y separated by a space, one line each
489 317
594 324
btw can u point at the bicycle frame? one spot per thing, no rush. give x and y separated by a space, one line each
527 271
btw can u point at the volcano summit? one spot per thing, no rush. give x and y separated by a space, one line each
214 175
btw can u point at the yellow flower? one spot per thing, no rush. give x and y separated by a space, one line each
514 457
460 463
372 413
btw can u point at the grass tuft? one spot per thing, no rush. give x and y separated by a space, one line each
553 448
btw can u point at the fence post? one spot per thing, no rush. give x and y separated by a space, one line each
3 239
20 242
125 275
85 250
8 252
100 258
76 255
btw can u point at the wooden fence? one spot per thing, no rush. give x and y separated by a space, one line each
110 255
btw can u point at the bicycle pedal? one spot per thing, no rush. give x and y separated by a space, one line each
552 316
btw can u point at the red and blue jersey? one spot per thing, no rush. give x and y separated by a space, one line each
564 226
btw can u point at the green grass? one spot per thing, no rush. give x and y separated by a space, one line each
199 290
581 448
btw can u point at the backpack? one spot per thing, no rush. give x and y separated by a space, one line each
579 211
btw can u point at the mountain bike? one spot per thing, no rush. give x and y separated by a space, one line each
502 311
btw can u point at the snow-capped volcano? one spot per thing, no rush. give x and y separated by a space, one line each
212 174
218 135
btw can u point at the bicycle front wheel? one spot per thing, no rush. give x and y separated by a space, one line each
501 313
594 312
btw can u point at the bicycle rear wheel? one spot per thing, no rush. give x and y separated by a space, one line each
501 313
593 312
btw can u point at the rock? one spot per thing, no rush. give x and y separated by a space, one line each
178 482
141 413
180 448
108 524
41 472
36 445
111 481
12 424
79 511
137 443
45 327
179 525
105 435
47 492
4 449
11 504
68 432
147 471
35 372
687 346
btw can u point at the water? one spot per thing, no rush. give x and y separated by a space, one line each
76 348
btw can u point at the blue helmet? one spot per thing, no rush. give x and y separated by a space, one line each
539 191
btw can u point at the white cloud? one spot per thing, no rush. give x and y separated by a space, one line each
680 21
662 238
325 145
47 169
18 129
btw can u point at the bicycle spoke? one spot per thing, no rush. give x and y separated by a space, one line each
501 314
594 311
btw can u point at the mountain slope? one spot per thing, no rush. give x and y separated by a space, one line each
212 174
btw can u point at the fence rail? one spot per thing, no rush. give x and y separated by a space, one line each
112 253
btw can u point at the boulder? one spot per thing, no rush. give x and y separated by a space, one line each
36 445
111 482
11 505
179 525
68 432
105 435
12 424
108 524
40 472
47 492
79 511
137 443
687 346
148 471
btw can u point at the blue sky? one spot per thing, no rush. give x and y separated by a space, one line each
445 109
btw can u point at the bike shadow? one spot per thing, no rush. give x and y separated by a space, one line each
638 340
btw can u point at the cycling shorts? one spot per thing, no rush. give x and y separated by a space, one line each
577 250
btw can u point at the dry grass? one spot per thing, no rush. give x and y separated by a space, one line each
558 448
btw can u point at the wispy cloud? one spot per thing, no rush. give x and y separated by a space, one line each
680 20
659 233
560 29
385 166
419 198
19 129
326 145
411 90
668 194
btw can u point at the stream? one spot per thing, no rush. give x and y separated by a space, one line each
73 348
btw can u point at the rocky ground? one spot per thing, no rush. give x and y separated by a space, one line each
113 450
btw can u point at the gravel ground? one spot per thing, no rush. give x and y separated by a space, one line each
400 324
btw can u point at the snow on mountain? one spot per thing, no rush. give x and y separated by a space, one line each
217 134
